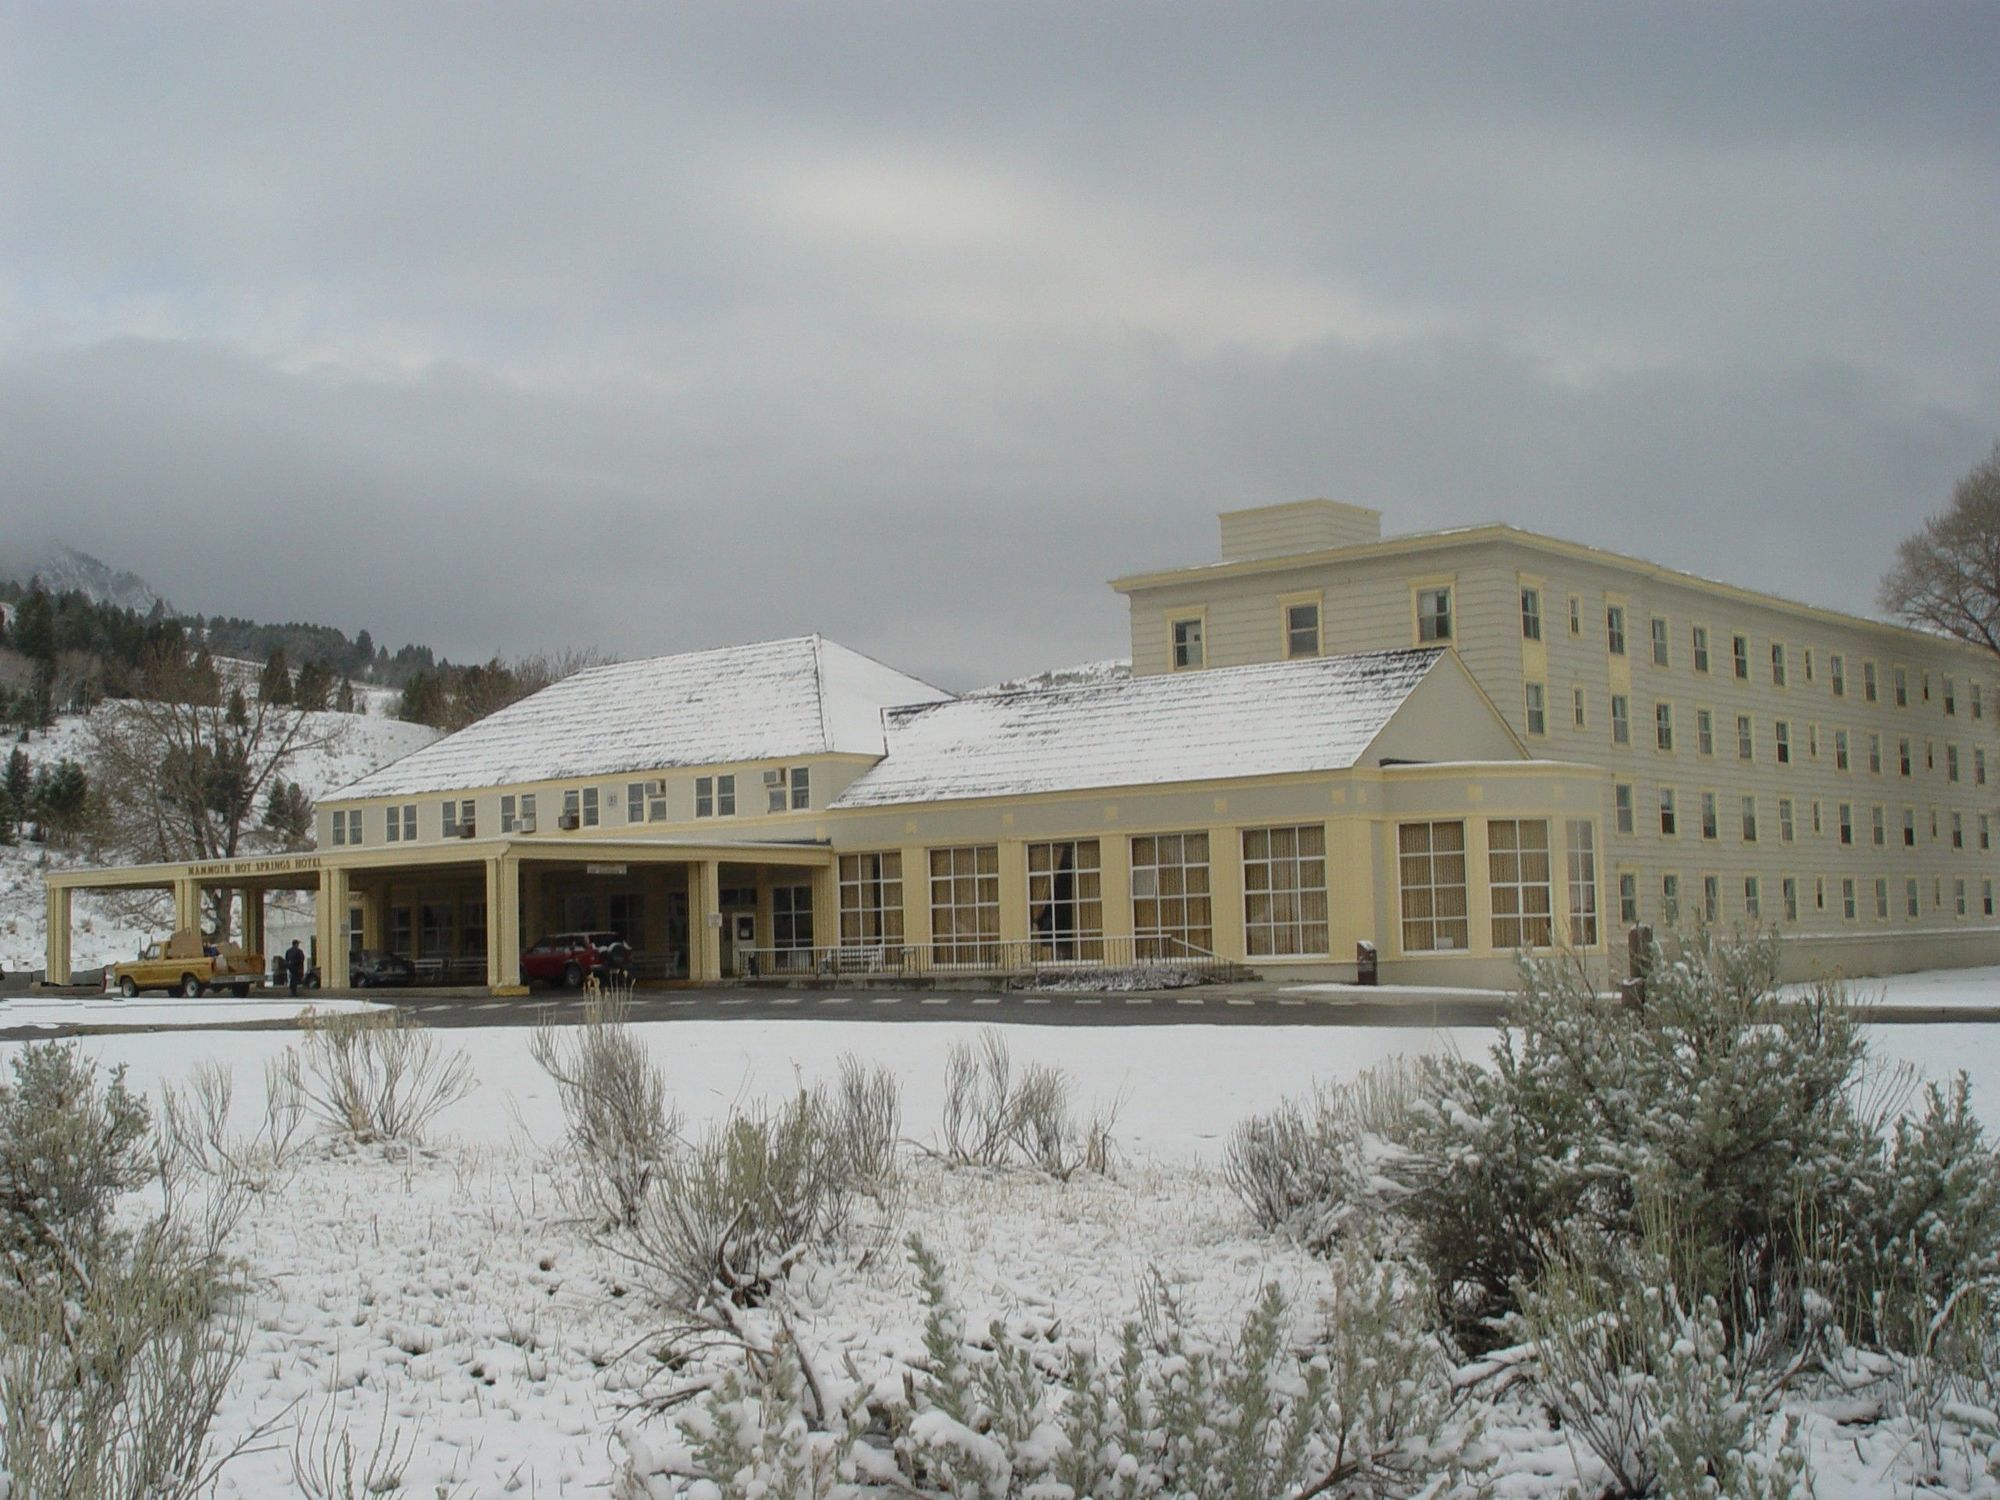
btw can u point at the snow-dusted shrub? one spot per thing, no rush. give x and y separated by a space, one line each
730 1214
865 1117
1646 1382
1365 1409
994 1117
68 1148
1730 1110
1313 1163
329 1464
376 1075
194 1135
619 1127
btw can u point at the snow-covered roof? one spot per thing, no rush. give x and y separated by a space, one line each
771 701
1281 717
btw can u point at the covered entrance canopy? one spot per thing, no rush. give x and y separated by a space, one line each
465 911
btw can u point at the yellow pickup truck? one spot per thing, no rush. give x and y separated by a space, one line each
188 964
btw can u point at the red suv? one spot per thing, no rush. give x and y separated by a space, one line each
567 958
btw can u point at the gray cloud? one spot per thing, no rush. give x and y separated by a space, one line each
650 327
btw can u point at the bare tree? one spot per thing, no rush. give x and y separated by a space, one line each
182 774
1946 577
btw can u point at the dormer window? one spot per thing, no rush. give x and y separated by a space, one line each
1434 614
1301 630
1187 643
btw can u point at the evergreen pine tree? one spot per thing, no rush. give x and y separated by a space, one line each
275 685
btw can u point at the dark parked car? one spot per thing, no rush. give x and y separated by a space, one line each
372 969
568 958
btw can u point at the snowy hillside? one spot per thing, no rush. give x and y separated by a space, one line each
110 927
1083 674
64 569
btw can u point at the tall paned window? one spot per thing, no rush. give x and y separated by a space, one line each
1433 614
1170 895
1431 860
1517 869
871 900
1301 630
1582 848
965 904
1066 899
791 916
1284 890
1531 614
1187 643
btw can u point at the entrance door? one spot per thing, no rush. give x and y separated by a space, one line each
739 940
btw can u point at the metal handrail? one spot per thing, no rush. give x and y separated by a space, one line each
978 957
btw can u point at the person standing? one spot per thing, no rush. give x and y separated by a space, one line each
295 966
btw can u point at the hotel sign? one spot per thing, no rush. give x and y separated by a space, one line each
604 869
288 864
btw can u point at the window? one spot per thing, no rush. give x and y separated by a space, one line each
1879 827
1816 826
1790 890
1985 831
1926 680
635 801
788 788
1701 648
1958 830
457 816
1746 744
1517 866
1710 824
1284 890
1836 666
791 917
403 825
1958 896
580 807
965 904
1667 820
507 814
1431 869
871 900
1875 754
1621 722
1621 796
527 812
1950 698
1978 711
1670 899
1986 897
1812 741
715 796
1868 680
1951 762
1582 848
341 827
1783 733
1753 898
1909 828
1531 614
1809 664
1881 899
1847 898
1576 708
1663 725
1302 629
1614 628
1066 900
1749 820
704 796
1628 899
1777 664
1903 756
1538 719
1704 731
1434 614
1847 823
1187 643
1784 820
1170 895
1913 904
1979 767
1660 658
1575 615
1840 749
1739 649
1902 680
1711 898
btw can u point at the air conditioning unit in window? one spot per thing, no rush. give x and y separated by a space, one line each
657 788
774 778
569 820
527 824
467 830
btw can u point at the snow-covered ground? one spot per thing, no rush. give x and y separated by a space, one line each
106 927
440 1299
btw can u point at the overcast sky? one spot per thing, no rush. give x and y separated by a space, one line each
652 326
